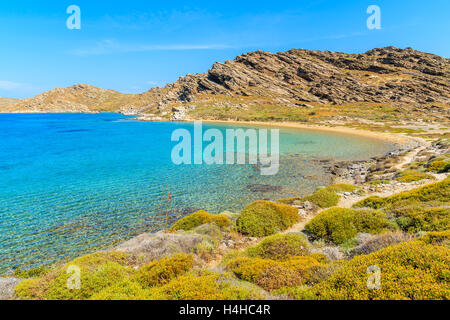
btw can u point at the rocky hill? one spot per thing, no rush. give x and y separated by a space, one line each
7 103
293 80
78 98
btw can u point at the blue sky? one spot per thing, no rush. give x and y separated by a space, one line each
131 45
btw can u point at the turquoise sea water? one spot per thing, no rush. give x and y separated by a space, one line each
75 183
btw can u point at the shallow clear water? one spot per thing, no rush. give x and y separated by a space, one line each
74 183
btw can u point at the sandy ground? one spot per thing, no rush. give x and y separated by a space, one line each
387 136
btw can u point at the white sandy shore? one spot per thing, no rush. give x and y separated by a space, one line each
387 136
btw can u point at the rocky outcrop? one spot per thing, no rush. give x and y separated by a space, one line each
293 78
386 75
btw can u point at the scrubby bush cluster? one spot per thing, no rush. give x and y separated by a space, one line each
338 225
433 194
324 198
164 270
264 218
278 261
98 271
199 218
412 176
439 165
422 209
411 270
280 247
273 274
406 236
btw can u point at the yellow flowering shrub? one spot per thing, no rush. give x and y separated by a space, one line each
264 271
276 277
206 286
162 271
413 175
324 198
439 165
249 269
417 218
435 194
280 247
411 270
338 225
97 271
437 238
125 290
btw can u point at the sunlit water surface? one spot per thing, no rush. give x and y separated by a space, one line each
75 183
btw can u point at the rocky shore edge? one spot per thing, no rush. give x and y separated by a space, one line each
155 245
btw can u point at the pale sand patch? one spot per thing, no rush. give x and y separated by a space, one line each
387 136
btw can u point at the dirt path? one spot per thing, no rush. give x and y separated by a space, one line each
409 157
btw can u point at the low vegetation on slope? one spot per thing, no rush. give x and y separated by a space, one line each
338 225
326 197
264 218
384 248
422 209
412 270
198 218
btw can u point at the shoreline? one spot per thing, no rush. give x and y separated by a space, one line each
396 139
391 137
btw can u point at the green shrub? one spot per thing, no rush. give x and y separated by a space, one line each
412 176
32 289
324 198
297 293
97 272
206 250
280 247
289 200
31 273
338 225
435 193
438 165
445 168
198 218
301 264
410 270
441 238
374 202
162 271
379 182
264 218
249 269
252 269
416 218
92 282
276 277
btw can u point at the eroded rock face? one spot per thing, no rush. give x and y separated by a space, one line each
385 75
7 286
152 246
